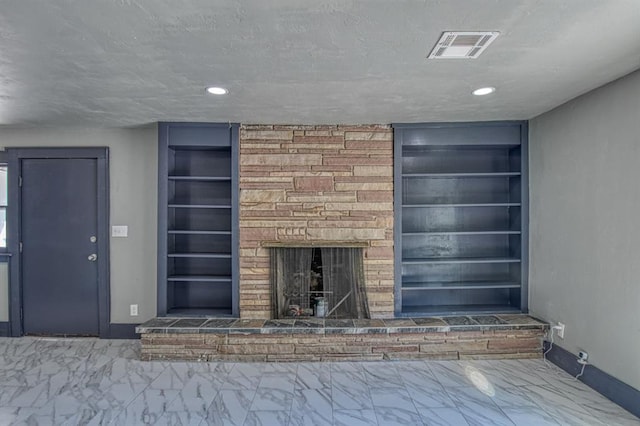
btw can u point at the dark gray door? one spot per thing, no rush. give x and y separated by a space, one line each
59 248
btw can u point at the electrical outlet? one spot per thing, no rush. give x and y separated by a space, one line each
561 330
133 310
582 357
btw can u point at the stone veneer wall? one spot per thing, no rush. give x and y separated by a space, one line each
303 184
452 345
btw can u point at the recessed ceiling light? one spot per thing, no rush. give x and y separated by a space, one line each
484 91
215 90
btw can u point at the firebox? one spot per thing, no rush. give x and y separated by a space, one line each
323 282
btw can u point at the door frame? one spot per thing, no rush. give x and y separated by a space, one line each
14 216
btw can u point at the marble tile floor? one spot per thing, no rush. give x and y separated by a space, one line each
98 382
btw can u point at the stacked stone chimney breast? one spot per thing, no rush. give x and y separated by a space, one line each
326 184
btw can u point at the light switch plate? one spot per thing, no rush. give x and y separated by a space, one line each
119 231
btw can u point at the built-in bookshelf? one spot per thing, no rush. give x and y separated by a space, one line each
461 218
197 238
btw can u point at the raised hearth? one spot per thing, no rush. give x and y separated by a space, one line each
455 337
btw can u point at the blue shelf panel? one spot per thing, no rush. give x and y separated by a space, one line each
187 232
201 278
431 260
460 175
462 285
201 255
199 206
201 178
409 234
417 311
420 206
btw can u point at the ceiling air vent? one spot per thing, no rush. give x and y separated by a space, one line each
462 44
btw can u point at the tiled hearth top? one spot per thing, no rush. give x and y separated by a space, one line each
341 326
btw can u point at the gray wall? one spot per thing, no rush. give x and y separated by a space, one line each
133 180
585 224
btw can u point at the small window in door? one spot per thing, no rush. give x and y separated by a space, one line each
3 205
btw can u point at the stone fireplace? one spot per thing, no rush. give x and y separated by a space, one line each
315 187
304 186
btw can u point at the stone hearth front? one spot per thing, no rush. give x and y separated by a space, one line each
459 337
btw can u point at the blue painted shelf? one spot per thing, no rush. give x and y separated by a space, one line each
198 219
461 194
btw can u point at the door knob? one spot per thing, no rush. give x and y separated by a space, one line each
93 257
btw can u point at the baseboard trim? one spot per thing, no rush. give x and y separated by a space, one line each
116 331
617 391
123 331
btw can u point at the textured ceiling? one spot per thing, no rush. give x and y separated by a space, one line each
132 62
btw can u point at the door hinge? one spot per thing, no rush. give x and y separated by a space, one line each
20 246
20 181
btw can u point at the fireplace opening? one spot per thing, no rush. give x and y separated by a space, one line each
322 282
316 294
